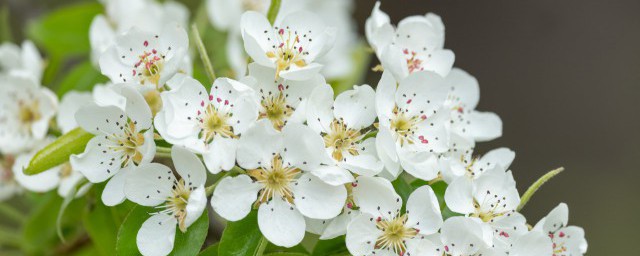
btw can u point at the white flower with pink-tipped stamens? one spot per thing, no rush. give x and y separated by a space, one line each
23 59
565 239
148 59
382 229
415 45
290 46
180 200
123 141
412 122
277 184
209 123
464 236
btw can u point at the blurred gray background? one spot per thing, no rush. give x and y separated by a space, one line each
565 78
563 75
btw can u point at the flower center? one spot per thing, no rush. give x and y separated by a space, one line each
288 49
65 170
341 139
276 109
149 66
128 143
253 5
413 62
176 204
492 206
559 248
276 180
405 126
394 234
215 122
28 113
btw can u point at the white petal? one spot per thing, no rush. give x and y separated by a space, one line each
149 184
440 62
424 211
422 165
189 166
532 244
156 236
502 157
195 206
386 148
362 234
422 246
68 183
234 196
356 107
253 25
113 193
137 108
303 147
338 225
316 199
422 93
459 195
333 175
366 162
464 86
485 126
462 235
221 154
281 223
71 102
100 120
319 108
557 218
42 182
97 162
385 97
296 73
393 60
258 144
376 196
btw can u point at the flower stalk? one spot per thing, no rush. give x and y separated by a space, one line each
203 53
536 185
274 8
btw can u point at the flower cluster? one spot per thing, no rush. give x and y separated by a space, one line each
278 138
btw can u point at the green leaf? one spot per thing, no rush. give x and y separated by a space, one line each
286 254
58 152
212 250
242 237
403 188
101 226
190 242
328 247
65 30
81 78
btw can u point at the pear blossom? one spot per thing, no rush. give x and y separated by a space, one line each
358 192
277 185
24 59
532 243
70 103
467 125
207 123
412 122
180 200
121 15
25 111
565 240
62 177
291 46
464 164
492 198
123 141
382 229
416 45
145 58
464 236
342 126
281 100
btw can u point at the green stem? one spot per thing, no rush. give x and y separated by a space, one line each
11 213
9 237
274 8
235 169
203 53
163 152
536 185
262 244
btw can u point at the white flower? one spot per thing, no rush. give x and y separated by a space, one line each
180 200
412 123
467 125
25 111
416 45
121 15
123 141
341 125
566 240
382 229
8 185
464 236
465 165
492 198
358 192
62 177
25 60
291 46
276 185
533 243
281 101
145 58
207 123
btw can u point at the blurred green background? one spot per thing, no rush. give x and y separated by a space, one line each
563 75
